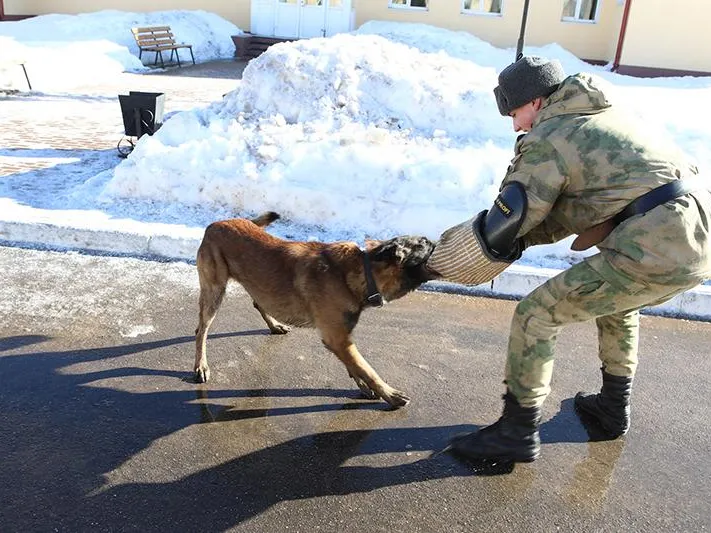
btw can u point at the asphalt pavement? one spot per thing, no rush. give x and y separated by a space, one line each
102 428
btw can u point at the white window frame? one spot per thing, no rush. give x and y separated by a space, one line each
479 12
392 5
576 18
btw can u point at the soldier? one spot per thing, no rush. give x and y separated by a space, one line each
584 168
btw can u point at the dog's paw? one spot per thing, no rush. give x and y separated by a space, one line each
397 399
202 375
280 329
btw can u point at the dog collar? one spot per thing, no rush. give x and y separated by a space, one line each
374 298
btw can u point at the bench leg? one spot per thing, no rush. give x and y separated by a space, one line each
191 54
177 55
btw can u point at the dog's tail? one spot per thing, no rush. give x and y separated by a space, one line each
266 218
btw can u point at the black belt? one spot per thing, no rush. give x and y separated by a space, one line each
656 197
660 195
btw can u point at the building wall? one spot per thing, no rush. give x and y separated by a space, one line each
236 11
589 41
668 35
660 34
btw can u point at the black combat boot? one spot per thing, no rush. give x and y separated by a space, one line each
514 438
610 409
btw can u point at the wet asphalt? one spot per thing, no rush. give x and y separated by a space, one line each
102 428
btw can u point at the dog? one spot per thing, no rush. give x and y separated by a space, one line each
308 284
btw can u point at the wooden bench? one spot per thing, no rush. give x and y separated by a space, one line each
158 39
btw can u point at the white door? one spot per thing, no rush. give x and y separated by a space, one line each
338 17
313 19
286 18
310 18
262 19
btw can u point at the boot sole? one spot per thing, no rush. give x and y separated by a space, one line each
589 418
501 459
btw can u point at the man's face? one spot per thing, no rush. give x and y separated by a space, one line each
524 116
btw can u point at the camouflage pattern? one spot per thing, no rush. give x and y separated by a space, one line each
579 294
582 162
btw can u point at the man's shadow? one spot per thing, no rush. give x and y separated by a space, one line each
307 467
62 431
60 435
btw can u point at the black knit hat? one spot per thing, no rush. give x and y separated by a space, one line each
525 80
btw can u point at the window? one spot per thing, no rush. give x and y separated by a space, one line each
492 7
580 10
418 4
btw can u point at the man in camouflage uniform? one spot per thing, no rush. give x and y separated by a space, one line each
581 163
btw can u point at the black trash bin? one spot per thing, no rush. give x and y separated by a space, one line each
142 112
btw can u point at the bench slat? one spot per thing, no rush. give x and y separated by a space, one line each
165 47
154 36
164 35
150 28
144 42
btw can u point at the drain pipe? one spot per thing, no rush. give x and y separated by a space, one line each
621 40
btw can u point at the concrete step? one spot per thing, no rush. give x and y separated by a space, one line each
249 45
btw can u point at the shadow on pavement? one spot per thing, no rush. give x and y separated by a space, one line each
63 172
62 434
224 69
313 466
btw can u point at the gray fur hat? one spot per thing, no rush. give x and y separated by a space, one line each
525 80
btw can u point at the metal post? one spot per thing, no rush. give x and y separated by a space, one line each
26 76
137 119
519 46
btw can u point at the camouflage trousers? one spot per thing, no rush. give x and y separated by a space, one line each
591 289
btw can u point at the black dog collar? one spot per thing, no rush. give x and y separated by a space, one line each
374 298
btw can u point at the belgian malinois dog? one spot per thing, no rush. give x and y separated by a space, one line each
309 284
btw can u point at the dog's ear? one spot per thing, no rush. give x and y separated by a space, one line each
370 244
387 251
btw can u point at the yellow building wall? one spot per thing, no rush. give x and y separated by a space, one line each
660 33
585 40
665 34
236 11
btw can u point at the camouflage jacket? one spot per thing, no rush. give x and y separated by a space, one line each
583 161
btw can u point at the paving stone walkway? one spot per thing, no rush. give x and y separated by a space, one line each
89 118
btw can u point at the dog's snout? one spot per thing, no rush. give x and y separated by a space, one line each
419 251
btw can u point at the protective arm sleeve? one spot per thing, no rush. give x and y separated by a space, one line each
462 256
472 252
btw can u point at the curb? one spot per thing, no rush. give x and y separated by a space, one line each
515 283
519 280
